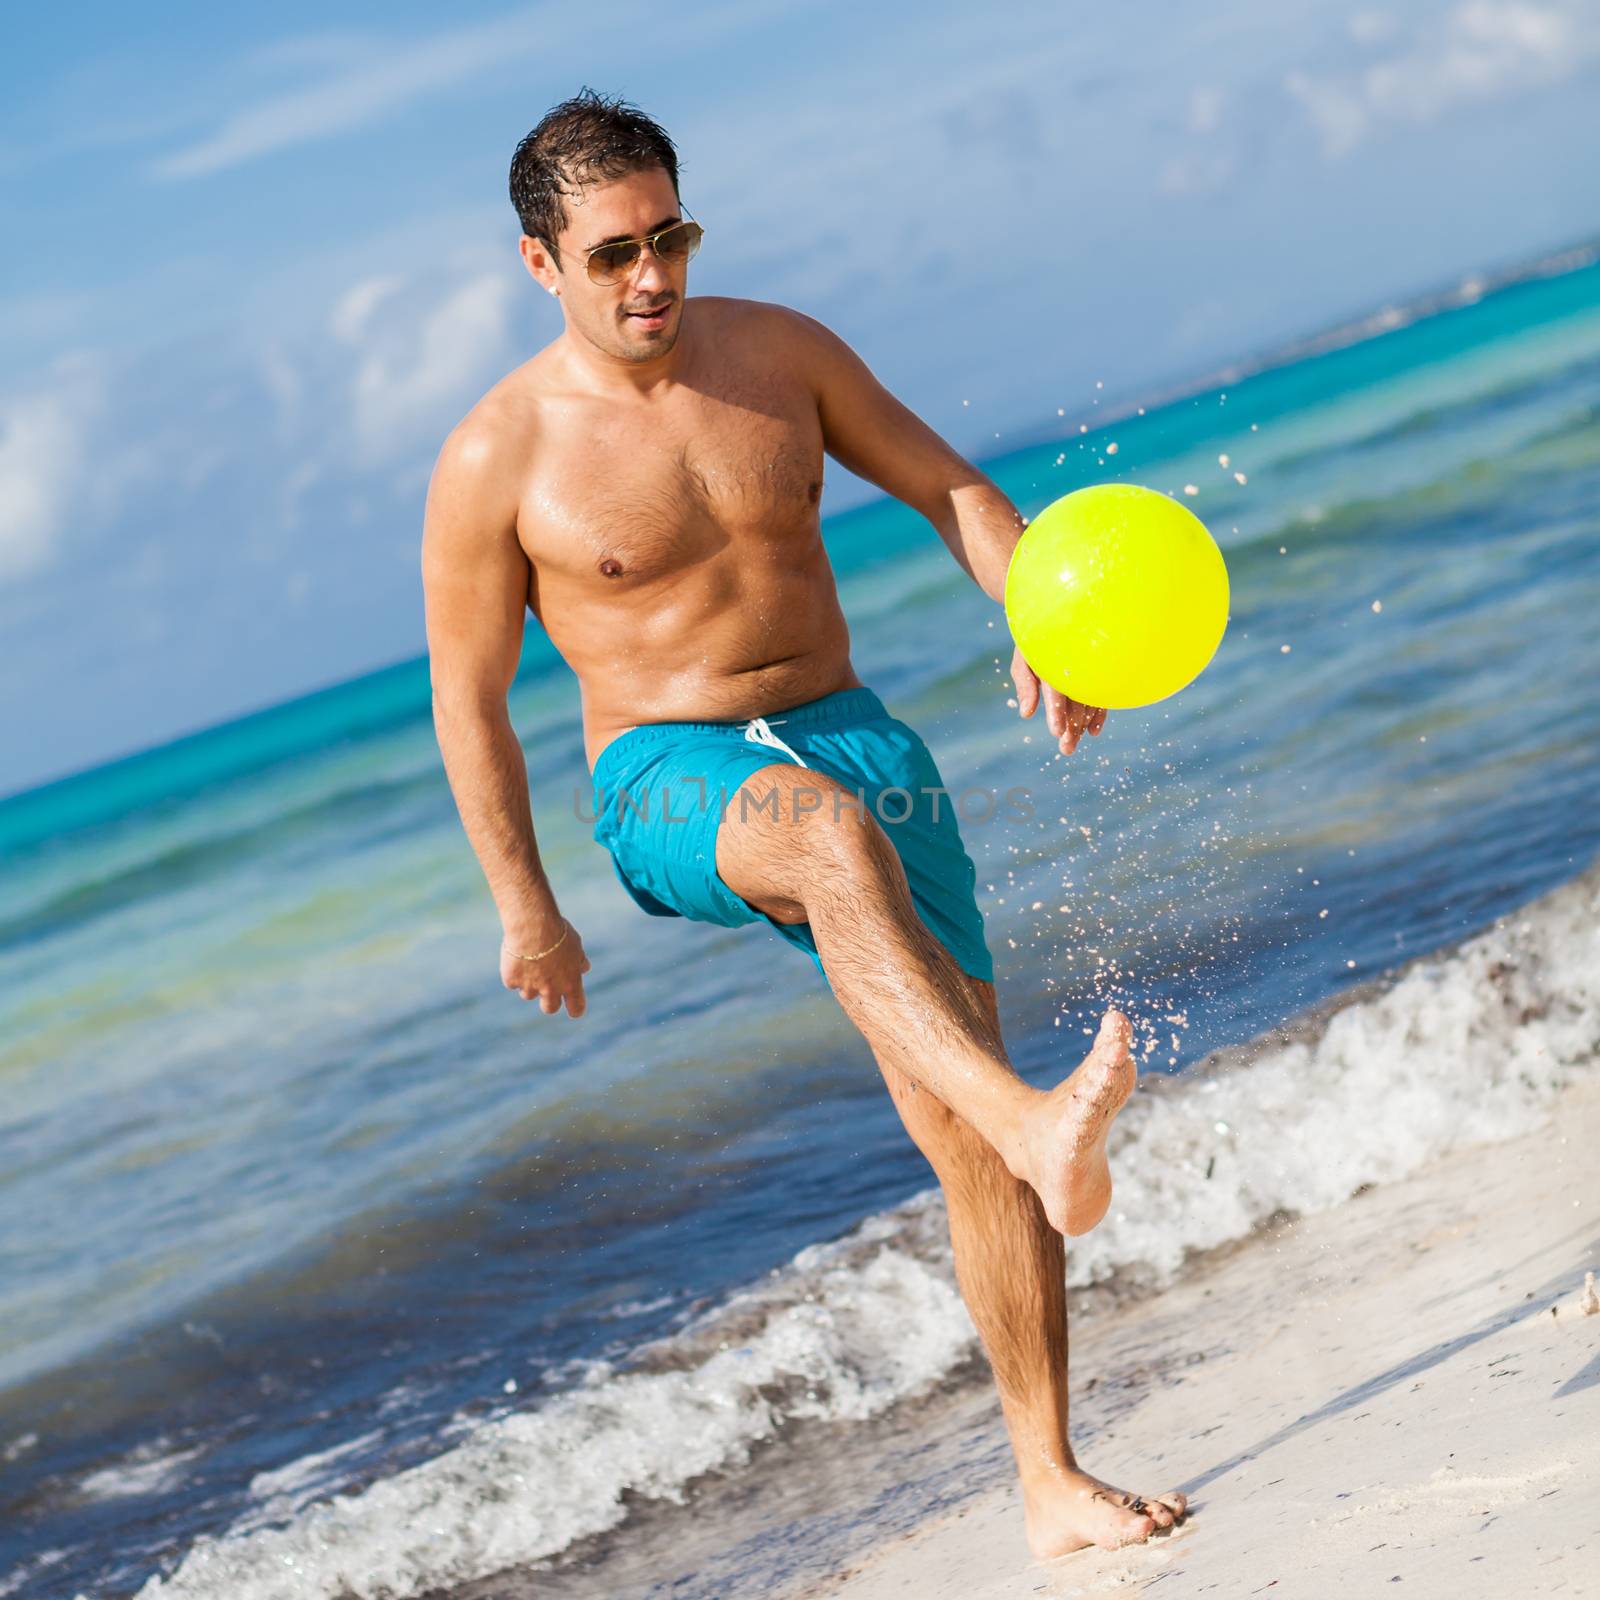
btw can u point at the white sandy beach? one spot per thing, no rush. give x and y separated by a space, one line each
1398 1395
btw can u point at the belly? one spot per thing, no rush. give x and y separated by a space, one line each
732 651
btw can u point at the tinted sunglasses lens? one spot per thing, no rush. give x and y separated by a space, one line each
679 243
610 261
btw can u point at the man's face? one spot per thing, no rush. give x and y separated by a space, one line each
638 317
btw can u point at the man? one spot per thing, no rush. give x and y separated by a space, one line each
647 485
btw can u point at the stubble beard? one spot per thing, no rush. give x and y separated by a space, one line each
651 348
644 345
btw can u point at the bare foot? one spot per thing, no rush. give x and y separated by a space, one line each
1077 1510
1065 1141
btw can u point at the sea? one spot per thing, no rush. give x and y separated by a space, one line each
329 1268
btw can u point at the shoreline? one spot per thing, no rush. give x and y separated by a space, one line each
1403 1389
837 1410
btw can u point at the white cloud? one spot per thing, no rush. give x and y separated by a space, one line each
43 459
416 369
1372 27
283 382
1482 50
372 84
1340 117
357 305
1206 102
1200 163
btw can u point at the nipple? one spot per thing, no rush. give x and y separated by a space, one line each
611 567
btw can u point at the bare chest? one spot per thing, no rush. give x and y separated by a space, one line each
616 503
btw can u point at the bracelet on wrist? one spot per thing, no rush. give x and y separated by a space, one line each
543 953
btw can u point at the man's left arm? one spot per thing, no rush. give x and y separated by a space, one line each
867 430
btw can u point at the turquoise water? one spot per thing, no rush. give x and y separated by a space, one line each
284 1172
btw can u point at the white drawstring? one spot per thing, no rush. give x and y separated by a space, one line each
759 731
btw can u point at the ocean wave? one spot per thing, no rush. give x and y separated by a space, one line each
1502 396
147 1469
1465 1046
367 811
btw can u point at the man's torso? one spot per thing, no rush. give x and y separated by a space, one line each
674 543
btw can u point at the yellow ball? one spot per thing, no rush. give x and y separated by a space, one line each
1117 595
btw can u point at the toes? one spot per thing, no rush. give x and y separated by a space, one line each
1116 1033
1137 1532
1160 1514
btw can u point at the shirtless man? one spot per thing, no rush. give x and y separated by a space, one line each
647 486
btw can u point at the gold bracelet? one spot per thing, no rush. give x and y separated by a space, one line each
543 953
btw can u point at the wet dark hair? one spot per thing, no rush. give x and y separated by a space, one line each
587 139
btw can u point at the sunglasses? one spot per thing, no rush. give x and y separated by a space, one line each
611 263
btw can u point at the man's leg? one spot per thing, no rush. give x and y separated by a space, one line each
801 848
935 1032
1012 1272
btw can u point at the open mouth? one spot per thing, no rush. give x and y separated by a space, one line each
650 316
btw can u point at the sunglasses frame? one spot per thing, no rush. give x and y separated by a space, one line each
641 242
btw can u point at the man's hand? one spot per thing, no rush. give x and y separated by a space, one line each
553 978
1068 720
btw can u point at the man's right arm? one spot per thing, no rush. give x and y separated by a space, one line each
475 585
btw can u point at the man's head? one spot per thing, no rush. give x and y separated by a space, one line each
592 173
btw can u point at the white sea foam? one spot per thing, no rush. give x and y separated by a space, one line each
35 1567
1463 1048
281 1493
527 1485
149 1469
1459 1048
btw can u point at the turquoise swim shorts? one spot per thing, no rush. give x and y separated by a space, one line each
661 791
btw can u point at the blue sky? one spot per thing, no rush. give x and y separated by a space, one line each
260 261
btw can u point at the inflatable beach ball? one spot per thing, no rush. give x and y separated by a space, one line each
1117 595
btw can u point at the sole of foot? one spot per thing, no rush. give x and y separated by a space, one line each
1067 1135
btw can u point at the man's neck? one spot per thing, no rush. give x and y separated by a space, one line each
599 369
